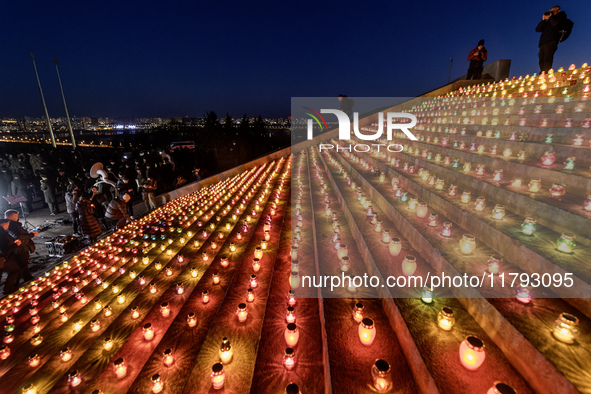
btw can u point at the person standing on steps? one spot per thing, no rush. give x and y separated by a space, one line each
550 25
477 57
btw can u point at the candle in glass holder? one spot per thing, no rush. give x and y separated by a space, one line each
494 265
367 331
218 376
472 353
289 358
256 265
74 378
523 294
480 204
291 335
395 246
120 368
565 328
427 295
498 212
381 376
242 312
148 331
432 221
529 226
467 244
34 360
108 344
501 388
452 191
535 185
4 352
498 175
358 312
224 262
249 295
465 198
253 281
386 236
95 325
291 299
446 319
422 210
191 319
157 384
548 158
409 265
570 163
557 191
258 253
566 243
165 309
205 296
446 229
167 357
153 288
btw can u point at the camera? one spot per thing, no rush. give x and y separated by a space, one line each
548 13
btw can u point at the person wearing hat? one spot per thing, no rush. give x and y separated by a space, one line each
477 57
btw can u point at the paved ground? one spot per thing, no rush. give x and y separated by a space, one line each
50 227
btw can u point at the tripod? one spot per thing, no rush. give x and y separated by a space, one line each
26 223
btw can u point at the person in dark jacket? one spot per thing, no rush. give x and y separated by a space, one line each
550 37
117 210
21 255
477 57
71 198
8 247
124 186
88 223
48 188
346 104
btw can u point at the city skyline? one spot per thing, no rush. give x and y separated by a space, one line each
144 60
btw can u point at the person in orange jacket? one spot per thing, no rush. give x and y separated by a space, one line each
477 57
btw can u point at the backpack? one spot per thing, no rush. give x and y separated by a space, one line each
565 29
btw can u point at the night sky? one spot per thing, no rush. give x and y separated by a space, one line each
138 58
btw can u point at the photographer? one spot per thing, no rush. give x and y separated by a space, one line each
71 198
477 57
550 29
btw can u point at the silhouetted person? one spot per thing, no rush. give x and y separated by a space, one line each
8 247
477 57
549 27
346 105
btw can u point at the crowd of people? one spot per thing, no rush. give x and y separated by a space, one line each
61 180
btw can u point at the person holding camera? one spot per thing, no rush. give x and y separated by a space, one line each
550 27
477 57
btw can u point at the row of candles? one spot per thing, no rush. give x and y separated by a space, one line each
95 323
565 329
565 243
472 349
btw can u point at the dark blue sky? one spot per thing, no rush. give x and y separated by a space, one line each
140 58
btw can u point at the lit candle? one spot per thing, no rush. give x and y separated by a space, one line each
523 294
253 281
157 384
148 331
381 376
289 358
367 331
29 389
446 229
386 236
205 296
74 378
358 312
472 353
535 185
395 246
108 344
256 265
570 163
498 212
218 376
548 159
557 191
95 325
120 368
242 312
566 243
225 351
529 226
422 210
165 309
191 319
290 315
565 328
501 388
224 262
409 265
167 357
342 251
432 221
291 299
446 319
4 352
258 252
153 288
34 360
291 335
480 204
427 295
